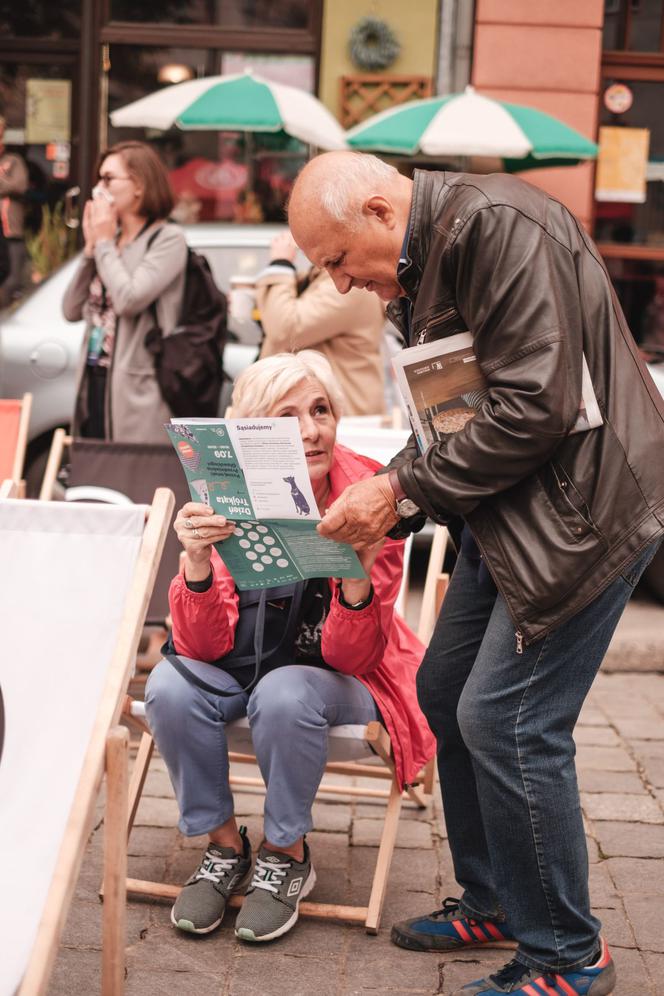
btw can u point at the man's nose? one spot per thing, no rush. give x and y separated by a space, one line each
342 282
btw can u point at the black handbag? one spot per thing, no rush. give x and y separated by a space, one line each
264 636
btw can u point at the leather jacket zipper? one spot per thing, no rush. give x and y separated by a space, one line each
421 337
519 641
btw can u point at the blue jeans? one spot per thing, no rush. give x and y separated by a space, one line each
289 710
504 724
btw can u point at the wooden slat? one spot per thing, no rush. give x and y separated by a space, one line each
115 863
365 94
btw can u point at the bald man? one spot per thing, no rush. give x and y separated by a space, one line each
553 530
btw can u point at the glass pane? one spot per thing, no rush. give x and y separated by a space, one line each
258 14
36 101
40 20
645 25
229 176
613 21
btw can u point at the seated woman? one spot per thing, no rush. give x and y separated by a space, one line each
351 659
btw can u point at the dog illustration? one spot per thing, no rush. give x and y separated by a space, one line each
301 503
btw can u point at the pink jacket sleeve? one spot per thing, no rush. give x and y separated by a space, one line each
354 640
204 622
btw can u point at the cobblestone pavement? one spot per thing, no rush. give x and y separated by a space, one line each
620 756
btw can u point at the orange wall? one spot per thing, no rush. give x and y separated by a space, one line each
546 55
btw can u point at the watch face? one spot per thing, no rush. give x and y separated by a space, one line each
406 508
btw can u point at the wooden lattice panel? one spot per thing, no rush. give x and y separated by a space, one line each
367 94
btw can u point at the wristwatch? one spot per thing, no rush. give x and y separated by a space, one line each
405 506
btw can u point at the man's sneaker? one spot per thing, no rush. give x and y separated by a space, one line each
270 907
448 929
597 979
201 905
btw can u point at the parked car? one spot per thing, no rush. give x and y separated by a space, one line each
39 349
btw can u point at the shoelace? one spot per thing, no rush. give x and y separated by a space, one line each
214 868
513 972
450 905
266 871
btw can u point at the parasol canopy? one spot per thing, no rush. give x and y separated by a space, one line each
245 102
468 124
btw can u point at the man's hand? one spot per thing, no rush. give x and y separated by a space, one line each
363 514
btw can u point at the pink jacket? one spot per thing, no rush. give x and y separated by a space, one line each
373 644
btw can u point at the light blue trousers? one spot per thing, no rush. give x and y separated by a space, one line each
290 711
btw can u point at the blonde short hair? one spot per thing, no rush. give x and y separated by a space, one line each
261 386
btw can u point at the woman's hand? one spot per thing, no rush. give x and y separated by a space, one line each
283 246
358 589
198 528
89 248
103 219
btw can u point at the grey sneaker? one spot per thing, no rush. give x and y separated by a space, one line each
270 907
201 905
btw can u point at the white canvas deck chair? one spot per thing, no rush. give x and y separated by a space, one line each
74 589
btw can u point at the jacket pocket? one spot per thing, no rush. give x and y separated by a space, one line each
568 502
438 324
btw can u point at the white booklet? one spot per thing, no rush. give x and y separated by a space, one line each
443 388
254 471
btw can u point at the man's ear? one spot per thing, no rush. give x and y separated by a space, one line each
380 209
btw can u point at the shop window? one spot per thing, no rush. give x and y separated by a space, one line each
257 14
623 222
227 176
40 20
633 25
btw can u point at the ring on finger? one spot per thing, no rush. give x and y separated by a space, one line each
188 523
197 534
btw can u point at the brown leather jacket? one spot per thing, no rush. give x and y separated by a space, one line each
557 517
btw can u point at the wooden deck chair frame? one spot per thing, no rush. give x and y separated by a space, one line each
21 445
375 735
108 751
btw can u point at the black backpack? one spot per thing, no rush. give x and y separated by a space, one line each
188 361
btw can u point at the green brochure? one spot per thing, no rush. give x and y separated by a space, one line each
254 472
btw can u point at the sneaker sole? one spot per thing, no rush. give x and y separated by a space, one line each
412 944
245 934
188 927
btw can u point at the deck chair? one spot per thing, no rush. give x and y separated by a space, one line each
122 473
14 422
74 590
363 751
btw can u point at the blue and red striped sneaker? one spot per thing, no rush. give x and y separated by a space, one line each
448 929
596 979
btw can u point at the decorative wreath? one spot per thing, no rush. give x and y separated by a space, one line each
372 44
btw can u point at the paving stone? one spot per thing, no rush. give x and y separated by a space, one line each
596 736
248 804
618 806
158 784
154 812
165 949
630 840
151 840
603 892
375 964
76 972
367 833
604 758
591 780
640 727
454 970
645 914
332 816
616 928
286 975
146 983
411 871
651 756
637 876
591 716
655 967
593 850
146 868
632 973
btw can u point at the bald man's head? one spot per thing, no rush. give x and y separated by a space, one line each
348 212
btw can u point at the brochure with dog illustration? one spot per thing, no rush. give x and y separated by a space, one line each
254 471
443 388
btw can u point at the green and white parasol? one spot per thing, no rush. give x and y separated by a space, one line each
469 124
